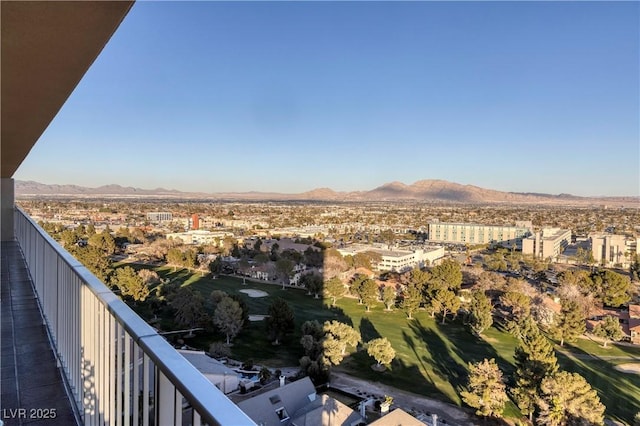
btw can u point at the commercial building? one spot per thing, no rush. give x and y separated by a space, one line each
398 260
200 237
159 216
548 243
473 233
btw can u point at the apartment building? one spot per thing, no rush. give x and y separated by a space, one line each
547 243
473 233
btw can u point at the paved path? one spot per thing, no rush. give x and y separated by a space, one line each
409 402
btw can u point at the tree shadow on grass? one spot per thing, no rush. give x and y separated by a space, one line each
338 314
445 366
368 330
619 392
471 348
632 351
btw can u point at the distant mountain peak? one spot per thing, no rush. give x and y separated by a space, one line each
426 190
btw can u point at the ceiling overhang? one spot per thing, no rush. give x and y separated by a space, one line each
47 46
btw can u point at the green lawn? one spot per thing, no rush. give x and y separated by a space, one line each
431 358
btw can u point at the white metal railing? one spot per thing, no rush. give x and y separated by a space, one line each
117 368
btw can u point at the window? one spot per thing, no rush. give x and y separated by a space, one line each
282 414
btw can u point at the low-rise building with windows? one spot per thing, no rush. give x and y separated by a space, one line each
547 243
200 237
398 260
612 249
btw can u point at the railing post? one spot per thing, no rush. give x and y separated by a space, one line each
165 400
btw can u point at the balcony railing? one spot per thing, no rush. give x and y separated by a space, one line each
118 369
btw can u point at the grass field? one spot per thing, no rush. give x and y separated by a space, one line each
432 359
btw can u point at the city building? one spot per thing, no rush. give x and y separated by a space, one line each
473 233
200 237
547 243
159 217
398 260
612 249
195 222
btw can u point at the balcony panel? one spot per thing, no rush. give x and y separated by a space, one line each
116 368
30 377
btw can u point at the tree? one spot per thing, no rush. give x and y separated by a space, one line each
331 350
265 374
518 303
490 282
130 283
95 260
411 299
175 258
570 323
445 301
189 307
496 262
480 317
284 269
333 264
313 258
448 274
189 259
486 391
334 289
609 329
566 398
68 238
344 334
280 320
312 335
634 270
380 349
388 297
216 265
313 283
356 286
103 241
369 293
228 318
615 288
419 278
535 360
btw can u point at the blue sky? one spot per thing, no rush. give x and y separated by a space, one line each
292 96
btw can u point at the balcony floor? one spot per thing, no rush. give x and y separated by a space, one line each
30 379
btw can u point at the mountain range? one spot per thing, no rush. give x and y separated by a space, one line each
429 190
